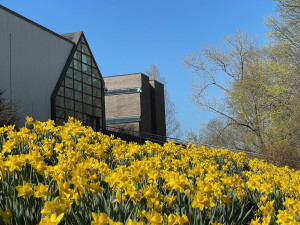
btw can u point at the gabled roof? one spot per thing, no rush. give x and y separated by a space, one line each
74 37
34 23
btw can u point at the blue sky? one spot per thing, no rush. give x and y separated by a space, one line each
126 36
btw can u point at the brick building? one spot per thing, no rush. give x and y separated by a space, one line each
54 76
135 104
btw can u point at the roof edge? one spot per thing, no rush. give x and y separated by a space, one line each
34 23
127 74
76 37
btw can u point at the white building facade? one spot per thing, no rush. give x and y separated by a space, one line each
47 75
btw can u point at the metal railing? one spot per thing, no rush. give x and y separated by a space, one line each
162 139
143 135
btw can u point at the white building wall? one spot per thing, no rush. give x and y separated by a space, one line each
32 59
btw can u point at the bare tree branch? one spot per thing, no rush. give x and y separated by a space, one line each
172 125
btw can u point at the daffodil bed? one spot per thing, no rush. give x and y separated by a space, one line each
72 175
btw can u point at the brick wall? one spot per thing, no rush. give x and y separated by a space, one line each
148 104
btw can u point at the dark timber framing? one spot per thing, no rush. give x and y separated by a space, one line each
96 120
90 72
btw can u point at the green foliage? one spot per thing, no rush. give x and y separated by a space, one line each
285 28
260 85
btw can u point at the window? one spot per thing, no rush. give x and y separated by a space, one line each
87 79
61 91
77 75
70 73
98 112
87 99
69 104
80 93
123 119
88 109
77 55
124 91
86 69
69 93
84 49
97 92
59 101
78 107
87 89
69 82
78 96
60 112
77 85
78 116
86 59
77 64
97 102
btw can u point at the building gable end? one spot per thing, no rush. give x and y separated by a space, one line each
79 92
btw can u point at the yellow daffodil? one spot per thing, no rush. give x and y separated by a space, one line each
25 190
29 120
57 206
6 215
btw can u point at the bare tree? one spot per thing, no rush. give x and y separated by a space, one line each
154 74
222 68
218 132
8 113
172 125
285 27
259 89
